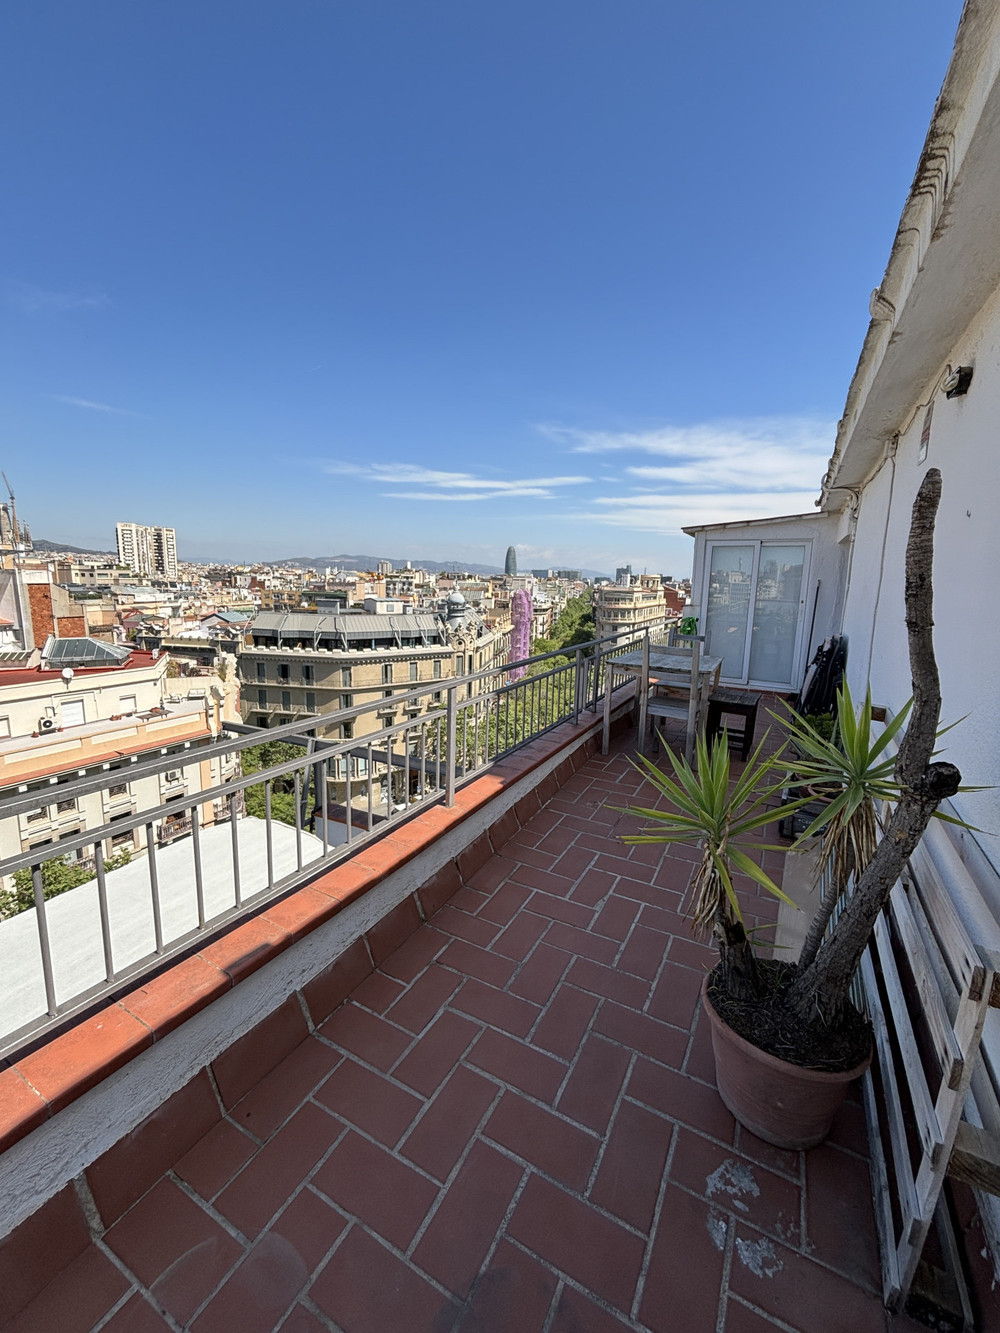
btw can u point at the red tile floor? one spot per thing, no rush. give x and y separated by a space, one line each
513 1126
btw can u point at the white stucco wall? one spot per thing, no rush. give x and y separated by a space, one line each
824 572
965 446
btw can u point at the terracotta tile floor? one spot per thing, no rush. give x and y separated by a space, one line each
512 1126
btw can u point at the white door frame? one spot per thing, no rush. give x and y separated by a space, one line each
757 543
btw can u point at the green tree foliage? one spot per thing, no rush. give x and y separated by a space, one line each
58 876
267 755
523 712
502 721
573 625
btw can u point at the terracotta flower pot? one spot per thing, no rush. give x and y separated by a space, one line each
781 1103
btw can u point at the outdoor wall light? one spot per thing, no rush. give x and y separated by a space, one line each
957 382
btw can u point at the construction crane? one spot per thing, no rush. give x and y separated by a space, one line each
13 512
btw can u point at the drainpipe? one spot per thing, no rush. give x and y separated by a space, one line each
890 457
855 506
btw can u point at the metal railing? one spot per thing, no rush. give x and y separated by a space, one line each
215 854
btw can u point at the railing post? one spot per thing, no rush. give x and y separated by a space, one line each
606 729
643 684
199 882
298 819
38 888
451 734
102 902
319 800
154 884
578 686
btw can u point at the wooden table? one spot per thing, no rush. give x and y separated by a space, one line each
670 666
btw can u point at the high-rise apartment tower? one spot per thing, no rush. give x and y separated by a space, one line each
147 550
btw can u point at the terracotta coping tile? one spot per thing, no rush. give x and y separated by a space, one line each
344 881
22 1108
247 948
76 1061
486 787
302 912
439 819
171 998
387 855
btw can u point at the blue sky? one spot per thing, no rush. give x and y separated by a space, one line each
425 279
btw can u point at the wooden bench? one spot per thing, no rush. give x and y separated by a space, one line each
929 979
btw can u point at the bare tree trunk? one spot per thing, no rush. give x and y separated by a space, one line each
738 976
819 923
819 991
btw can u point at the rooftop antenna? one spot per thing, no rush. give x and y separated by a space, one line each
13 511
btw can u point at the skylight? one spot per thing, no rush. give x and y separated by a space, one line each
85 653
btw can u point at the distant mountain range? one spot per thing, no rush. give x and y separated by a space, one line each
322 561
40 544
371 561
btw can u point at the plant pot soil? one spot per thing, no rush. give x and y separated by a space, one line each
782 1103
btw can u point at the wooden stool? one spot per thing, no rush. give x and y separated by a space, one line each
741 702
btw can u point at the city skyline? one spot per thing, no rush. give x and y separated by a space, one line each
434 280
45 546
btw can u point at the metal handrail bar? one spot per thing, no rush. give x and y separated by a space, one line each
432 754
237 782
132 769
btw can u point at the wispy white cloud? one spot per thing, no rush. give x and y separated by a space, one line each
93 406
453 486
35 300
766 454
535 492
668 514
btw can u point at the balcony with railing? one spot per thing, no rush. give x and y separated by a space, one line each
308 813
427 1056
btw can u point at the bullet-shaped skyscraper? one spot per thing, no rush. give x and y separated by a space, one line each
510 564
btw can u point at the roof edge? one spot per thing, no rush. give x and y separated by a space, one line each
968 82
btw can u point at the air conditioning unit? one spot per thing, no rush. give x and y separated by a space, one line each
46 724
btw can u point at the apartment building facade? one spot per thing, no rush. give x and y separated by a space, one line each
147 550
90 707
623 610
307 663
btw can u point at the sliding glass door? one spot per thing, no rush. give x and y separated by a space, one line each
727 619
754 604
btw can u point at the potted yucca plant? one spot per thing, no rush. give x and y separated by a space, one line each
787 1038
